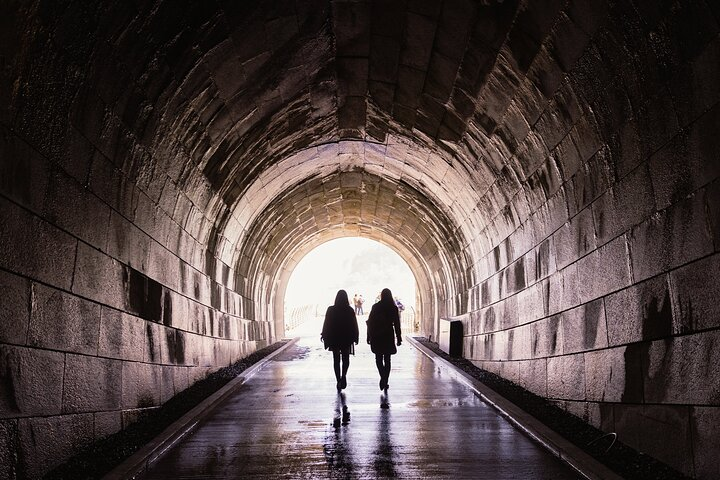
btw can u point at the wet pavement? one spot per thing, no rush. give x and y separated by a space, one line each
289 421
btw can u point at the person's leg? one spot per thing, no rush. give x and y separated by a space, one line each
381 369
336 366
345 366
387 368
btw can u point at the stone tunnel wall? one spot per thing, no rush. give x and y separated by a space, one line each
603 297
112 302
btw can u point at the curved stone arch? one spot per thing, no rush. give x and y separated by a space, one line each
354 203
426 290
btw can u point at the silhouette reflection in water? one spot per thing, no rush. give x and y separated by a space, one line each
338 453
384 456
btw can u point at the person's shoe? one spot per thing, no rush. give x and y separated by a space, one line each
343 383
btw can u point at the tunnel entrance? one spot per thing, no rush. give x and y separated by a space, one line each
358 265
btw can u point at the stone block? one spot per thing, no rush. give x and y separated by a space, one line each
140 382
31 381
107 423
673 180
673 372
666 435
533 375
122 336
670 238
704 423
574 239
626 204
154 344
584 328
604 270
34 248
713 202
14 308
613 375
99 277
46 442
640 312
128 243
519 342
694 89
63 321
695 293
73 208
8 449
23 172
628 424
91 384
566 377
546 337
530 304
167 386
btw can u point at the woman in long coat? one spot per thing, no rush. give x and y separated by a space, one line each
339 333
383 330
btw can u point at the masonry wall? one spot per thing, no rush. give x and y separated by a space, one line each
600 287
112 302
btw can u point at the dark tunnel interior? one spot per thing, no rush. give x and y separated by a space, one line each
550 171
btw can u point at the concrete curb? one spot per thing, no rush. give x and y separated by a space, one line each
139 461
584 464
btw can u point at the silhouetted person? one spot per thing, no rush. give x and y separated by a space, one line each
383 328
339 333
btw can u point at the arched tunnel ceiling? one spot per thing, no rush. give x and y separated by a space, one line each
456 104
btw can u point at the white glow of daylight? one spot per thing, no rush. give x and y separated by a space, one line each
358 265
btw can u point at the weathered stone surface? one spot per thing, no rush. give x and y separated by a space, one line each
673 374
575 238
46 441
584 328
122 336
32 381
8 448
640 312
14 308
63 321
99 277
34 248
566 377
604 270
141 384
613 375
91 384
533 375
703 424
107 423
671 238
695 293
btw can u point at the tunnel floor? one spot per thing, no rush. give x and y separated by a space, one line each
288 421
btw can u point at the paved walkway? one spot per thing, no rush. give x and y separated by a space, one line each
287 422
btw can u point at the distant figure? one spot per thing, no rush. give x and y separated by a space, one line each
399 304
356 305
383 328
339 332
360 302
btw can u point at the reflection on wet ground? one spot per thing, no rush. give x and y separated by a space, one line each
289 421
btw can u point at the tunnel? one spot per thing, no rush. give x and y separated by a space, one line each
548 170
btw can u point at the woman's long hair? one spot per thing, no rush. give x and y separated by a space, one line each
386 297
341 299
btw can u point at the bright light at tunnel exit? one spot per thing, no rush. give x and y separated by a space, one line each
358 265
